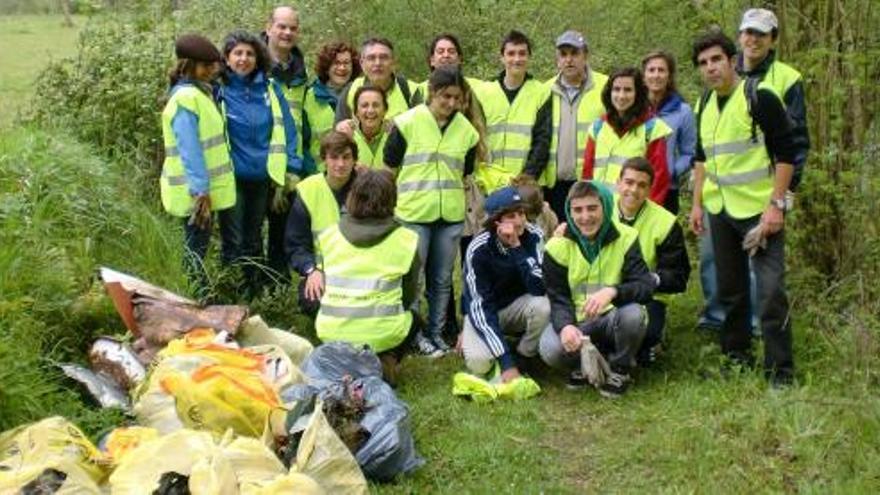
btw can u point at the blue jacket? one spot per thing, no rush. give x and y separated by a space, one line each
185 126
495 276
680 145
249 122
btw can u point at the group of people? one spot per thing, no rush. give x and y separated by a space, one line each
559 196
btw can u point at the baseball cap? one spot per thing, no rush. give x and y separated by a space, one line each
761 20
571 38
502 199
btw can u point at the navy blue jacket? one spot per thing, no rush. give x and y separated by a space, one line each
495 276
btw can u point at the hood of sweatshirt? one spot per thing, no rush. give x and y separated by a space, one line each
366 232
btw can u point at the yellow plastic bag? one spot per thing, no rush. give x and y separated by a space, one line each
291 483
217 397
255 331
53 443
231 465
480 390
205 385
323 457
121 441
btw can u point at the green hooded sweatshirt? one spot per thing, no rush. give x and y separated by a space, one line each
590 249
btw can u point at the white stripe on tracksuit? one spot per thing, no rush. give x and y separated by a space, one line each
476 314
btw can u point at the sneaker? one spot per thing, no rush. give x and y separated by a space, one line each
577 381
615 386
427 348
441 345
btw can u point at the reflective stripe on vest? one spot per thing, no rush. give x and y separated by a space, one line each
509 130
276 162
321 119
366 154
738 169
586 278
396 102
363 298
612 150
589 108
321 204
429 185
295 96
173 184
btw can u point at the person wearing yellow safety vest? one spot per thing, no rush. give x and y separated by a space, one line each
317 205
516 108
576 93
368 128
758 33
379 64
371 274
445 51
289 71
742 168
197 176
662 242
432 147
336 65
628 128
262 141
597 281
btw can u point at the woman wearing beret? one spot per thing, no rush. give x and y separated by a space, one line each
197 177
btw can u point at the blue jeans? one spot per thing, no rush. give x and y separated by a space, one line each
713 313
438 244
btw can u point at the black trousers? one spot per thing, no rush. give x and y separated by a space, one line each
555 197
732 272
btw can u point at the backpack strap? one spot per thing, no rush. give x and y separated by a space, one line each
704 100
751 90
597 127
403 84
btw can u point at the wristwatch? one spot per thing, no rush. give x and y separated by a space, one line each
780 204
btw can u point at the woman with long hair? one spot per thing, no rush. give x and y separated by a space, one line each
659 70
628 128
197 180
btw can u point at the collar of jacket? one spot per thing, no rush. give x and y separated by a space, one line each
586 84
670 104
500 77
760 70
324 94
641 119
293 71
255 78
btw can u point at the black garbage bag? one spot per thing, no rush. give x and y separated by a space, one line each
333 370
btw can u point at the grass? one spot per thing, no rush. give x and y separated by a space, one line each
29 42
681 429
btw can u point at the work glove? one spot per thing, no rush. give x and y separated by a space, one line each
290 182
201 214
754 240
279 201
593 364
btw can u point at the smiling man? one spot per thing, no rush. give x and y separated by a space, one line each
516 108
379 64
597 281
742 168
662 242
576 92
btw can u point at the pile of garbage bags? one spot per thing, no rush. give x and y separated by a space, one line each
221 404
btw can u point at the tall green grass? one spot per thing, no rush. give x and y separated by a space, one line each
64 212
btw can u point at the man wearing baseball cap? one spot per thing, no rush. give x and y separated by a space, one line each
576 93
758 33
504 295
